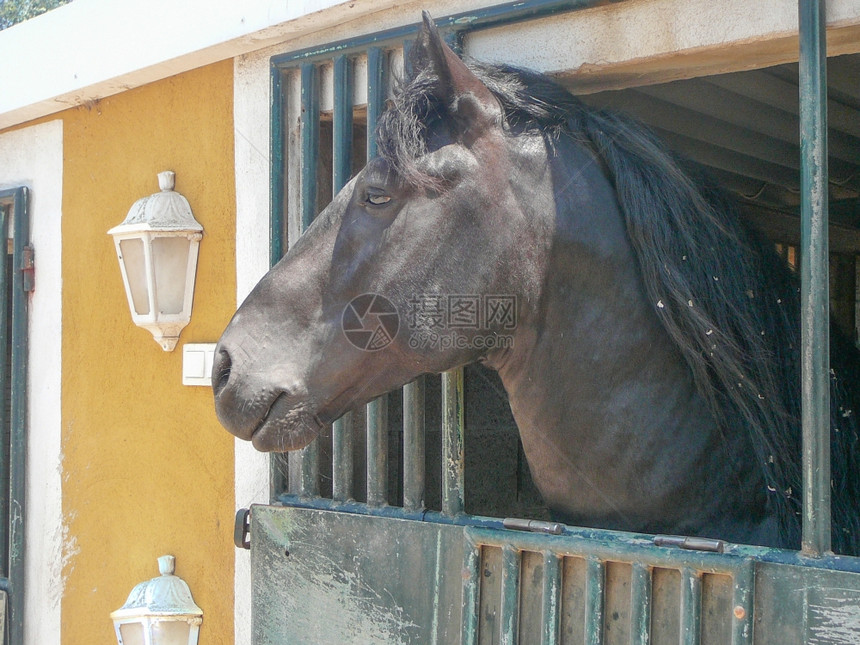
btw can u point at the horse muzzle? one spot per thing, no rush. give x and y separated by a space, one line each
272 418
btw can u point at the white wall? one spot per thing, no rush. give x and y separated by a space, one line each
33 157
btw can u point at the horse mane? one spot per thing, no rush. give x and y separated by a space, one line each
721 292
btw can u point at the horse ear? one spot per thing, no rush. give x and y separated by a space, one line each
468 99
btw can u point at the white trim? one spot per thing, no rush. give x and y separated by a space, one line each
251 122
33 157
90 49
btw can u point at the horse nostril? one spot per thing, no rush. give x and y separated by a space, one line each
221 370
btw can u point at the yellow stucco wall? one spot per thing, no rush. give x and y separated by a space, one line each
147 469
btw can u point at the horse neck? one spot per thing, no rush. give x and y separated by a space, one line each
607 409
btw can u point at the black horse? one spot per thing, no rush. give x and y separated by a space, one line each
653 363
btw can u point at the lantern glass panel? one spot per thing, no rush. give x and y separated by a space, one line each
132 634
135 269
171 632
170 259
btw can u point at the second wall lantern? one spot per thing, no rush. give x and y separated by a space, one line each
157 247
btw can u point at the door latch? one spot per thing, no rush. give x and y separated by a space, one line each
242 529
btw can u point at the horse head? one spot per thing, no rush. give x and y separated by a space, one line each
349 312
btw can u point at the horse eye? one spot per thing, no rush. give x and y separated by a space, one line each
378 199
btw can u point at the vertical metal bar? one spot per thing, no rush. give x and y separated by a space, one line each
277 233
18 439
691 606
814 279
310 141
413 445
342 459
342 122
408 44
471 590
742 604
551 598
594 581
4 383
509 605
377 411
342 430
278 169
304 464
375 95
453 501
640 604
377 451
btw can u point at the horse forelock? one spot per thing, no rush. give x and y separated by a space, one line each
722 294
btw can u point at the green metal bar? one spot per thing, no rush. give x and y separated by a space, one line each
277 231
278 169
375 95
471 594
341 456
453 458
304 464
5 210
377 410
413 444
551 598
342 429
742 604
617 546
509 605
342 123
640 604
594 582
377 451
691 606
310 141
18 439
814 278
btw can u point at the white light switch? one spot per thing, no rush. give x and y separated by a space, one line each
197 359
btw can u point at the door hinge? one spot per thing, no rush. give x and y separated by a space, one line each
28 268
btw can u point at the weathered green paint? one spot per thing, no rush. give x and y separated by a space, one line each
362 577
16 202
595 577
814 267
375 95
413 444
310 141
342 120
453 458
743 593
5 213
377 451
471 587
510 595
342 458
640 604
691 606
347 581
551 599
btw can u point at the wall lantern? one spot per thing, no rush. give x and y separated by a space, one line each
157 249
159 612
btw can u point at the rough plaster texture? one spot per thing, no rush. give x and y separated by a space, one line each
147 468
33 157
